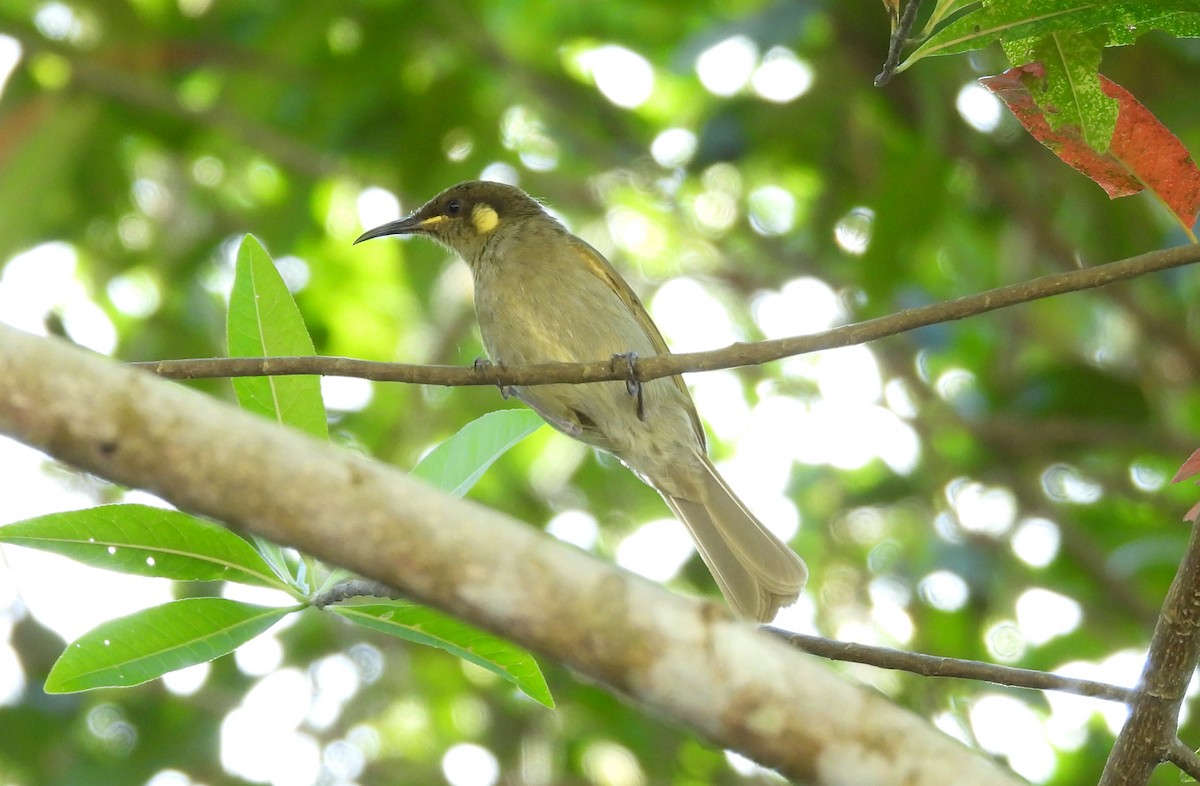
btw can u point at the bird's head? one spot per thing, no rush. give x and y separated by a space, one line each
467 216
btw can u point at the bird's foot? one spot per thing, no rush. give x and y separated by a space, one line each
482 364
632 384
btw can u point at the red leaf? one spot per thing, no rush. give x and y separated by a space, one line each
1189 467
1142 154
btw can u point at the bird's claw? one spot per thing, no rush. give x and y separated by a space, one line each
633 385
482 364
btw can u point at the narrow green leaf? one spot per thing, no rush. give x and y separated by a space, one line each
274 554
145 541
263 321
422 625
149 643
457 464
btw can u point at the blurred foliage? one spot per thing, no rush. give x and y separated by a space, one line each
151 135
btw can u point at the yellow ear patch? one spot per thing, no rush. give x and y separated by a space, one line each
485 218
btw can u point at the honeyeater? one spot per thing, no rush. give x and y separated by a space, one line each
543 295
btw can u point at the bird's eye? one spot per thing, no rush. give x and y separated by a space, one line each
453 207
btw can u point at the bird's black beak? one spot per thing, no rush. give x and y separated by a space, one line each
403 226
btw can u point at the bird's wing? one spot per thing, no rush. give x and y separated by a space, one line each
595 263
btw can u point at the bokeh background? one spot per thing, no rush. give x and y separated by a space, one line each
994 489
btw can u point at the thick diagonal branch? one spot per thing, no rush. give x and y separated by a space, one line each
1148 735
683 658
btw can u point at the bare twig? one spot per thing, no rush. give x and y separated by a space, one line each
354 588
1149 735
934 666
1184 758
899 38
655 366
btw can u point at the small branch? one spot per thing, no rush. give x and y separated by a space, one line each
656 366
934 666
1149 735
354 588
896 45
1184 758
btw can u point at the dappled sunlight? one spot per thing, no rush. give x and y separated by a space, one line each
725 68
772 210
956 385
848 437
782 76
656 549
468 764
979 108
1073 713
522 131
944 590
500 172
853 231
1006 726
71 614
136 293
621 75
721 401
673 147
1036 542
60 22
1004 641
849 375
1043 615
1065 483
635 233
10 55
576 527
188 680
346 394
800 307
376 206
261 738
607 763
690 317
890 599
981 509
45 281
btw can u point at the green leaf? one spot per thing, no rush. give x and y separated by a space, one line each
422 625
457 464
1070 94
264 321
1012 20
145 541
149 643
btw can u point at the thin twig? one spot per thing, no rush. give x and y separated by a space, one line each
1184 758
896 44
934 666
355 588
1148 736
656 366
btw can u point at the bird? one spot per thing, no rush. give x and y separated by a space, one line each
543 295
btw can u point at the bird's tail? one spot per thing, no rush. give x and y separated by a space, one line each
757 572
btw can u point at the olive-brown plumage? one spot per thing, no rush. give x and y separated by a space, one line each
543 295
